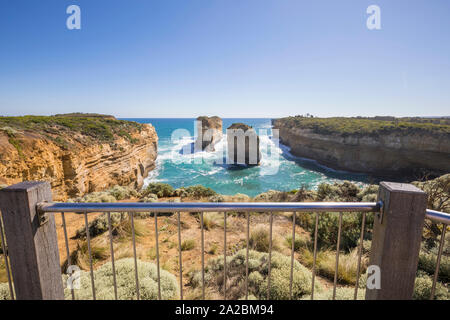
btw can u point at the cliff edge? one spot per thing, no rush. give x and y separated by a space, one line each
76 153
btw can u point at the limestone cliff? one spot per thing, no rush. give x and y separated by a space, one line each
209 132
76 155
377 147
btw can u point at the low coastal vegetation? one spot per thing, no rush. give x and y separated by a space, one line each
94 126
259 244
368 126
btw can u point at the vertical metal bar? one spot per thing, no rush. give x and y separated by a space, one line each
270 256
88 237
203 255
69 262
157 255
361 240
225 256
337 255
292 255
180 257
315 255
11 291
438 262
111 247
133 235
246 257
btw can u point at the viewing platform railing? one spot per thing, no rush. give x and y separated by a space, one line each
28 219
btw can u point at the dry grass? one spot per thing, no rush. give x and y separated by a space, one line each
326 263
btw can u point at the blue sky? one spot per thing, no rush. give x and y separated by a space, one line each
232 58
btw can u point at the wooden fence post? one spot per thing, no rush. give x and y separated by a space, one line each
397 234
32 242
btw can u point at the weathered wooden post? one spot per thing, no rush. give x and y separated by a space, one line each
397 234
32 242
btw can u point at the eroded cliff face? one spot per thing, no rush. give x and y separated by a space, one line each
388 154
79 165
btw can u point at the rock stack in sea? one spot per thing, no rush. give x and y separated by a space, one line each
242 145
209 132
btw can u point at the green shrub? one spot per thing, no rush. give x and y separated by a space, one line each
197 191
301 241
126 285
427 263
160 189
328 227
422 288
259 240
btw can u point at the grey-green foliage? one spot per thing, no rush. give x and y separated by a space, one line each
427 263
197 191
258 276
111 195
4 292
342 293
422 288
126 285
160 189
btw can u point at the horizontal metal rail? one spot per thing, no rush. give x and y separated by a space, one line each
212 207
437 216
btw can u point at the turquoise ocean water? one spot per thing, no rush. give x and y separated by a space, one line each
279 170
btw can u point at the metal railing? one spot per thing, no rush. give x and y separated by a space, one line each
177 208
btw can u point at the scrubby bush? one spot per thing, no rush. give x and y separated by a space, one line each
368 194
4 291
113 194
212 220
326 264
197 191
259 240
121 193
422 288
94 197
258 276
328 227
160 189
240 197
100 224
342 293
427 263
216 198
126 285
272 196
301 241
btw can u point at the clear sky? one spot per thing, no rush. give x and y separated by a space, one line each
232 58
